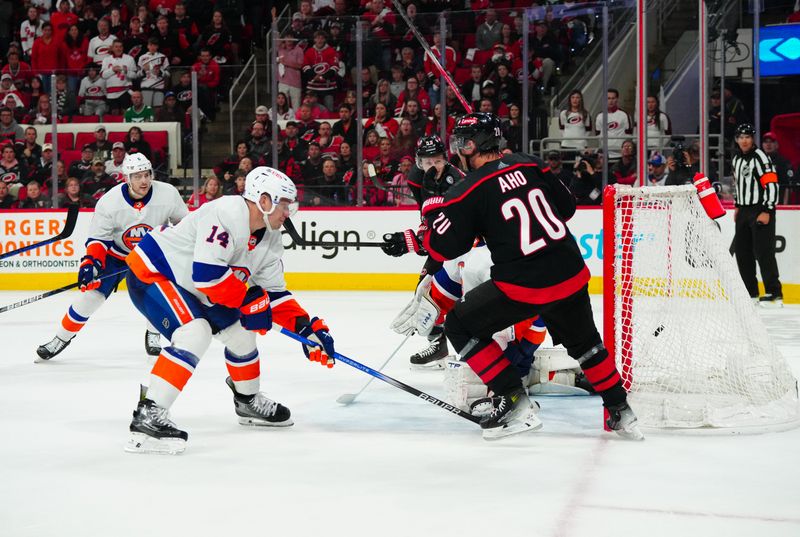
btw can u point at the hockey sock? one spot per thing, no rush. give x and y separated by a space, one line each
78 314
244 370
602 373
494 369
173 369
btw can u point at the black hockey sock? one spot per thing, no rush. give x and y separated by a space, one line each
602 373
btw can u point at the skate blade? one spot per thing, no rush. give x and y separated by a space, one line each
142 443
255 422
771 305
632 433
40 360
435 365
529 423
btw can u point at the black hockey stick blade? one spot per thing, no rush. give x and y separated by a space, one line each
389 380
69 227
300 241
37 298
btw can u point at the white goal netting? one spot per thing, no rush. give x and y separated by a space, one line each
688 340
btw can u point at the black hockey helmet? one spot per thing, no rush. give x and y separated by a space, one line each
428 146
745 129
482 128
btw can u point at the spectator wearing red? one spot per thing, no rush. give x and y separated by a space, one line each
46 56
370 150
211 190
207 70
385 126
511 42
431 71
21 72
624 170
74 51
321 69
329 143
62 20
415 92
381 22
162 7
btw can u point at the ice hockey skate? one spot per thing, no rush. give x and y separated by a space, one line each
153 432
512 413
623 421
433 356
152 343
51 348
771 301
258 410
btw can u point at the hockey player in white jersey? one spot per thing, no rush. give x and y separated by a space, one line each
124 215
191 282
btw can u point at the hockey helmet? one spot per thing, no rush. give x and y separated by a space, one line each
428 146
135 163
745 129
275 184
481 128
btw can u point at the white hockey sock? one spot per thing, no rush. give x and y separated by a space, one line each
78 314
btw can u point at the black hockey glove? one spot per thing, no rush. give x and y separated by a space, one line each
401 243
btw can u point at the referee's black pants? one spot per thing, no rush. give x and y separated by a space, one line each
753 243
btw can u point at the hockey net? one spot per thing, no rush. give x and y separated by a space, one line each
688 341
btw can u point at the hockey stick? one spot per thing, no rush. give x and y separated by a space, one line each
399 7
389 380
37 298
349 398
69 227
300 241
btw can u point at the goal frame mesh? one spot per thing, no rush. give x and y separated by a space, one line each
685 410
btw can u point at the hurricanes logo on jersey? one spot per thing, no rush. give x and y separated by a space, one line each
613 125
134 234
574 120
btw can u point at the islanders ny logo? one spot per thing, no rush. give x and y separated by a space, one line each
134 234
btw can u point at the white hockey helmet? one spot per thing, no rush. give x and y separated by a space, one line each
135 163
274 183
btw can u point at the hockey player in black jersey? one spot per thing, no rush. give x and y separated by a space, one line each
432 176
520 210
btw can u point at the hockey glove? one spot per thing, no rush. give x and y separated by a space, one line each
316 331
401 243
521 355
420 314
256 311
89 272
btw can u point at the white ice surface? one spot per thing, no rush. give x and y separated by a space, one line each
387 465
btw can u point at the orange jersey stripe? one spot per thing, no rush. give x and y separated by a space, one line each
286 313
229 292
98 250
173 373
247 372
769 177
140 269
71 325
175 300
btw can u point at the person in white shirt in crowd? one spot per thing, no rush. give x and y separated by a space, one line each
154 68
575 124
100 45
30 29
92 92
119 70
620 125
114 166
659 126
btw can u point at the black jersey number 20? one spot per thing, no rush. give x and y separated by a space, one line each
542 212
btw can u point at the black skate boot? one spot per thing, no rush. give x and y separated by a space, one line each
259 410
52 348
152 343
622 421
433 356
512 413
153 432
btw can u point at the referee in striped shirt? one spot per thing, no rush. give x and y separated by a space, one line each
756 197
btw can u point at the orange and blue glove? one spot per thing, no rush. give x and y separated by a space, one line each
315 330
89 272
256 311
